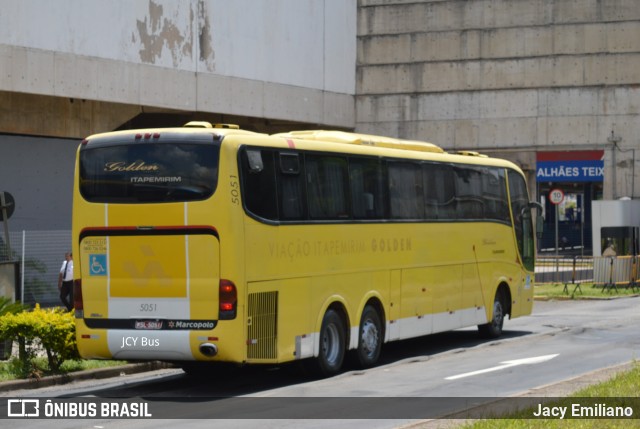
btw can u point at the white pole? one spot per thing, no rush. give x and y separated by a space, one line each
24 245
557 256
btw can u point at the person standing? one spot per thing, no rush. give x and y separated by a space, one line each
65 281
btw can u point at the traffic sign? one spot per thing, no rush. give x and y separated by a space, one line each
556 196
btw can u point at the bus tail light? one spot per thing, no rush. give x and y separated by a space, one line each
228 300
78 303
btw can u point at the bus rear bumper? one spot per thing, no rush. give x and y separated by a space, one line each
124 344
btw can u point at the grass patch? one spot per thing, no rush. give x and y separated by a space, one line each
623 385
10 369
586 291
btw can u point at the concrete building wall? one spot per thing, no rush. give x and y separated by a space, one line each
71 68
274 59
506 77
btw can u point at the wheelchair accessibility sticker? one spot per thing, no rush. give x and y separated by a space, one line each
98 264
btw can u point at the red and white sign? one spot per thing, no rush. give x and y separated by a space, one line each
556 196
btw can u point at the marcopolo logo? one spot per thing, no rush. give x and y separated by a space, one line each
192 324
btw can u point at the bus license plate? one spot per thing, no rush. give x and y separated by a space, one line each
148 324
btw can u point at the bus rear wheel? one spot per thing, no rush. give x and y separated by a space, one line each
369 338
493 329
332 344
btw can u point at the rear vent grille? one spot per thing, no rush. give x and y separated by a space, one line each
262 332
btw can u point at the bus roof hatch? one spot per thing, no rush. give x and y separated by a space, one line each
204 124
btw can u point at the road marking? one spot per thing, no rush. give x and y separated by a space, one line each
505 364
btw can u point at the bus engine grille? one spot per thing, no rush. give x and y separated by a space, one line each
262 330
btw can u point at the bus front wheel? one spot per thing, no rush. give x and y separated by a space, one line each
332 344
369 338
493 329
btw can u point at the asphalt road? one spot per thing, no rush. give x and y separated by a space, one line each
416 380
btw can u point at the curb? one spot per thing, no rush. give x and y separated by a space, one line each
89 374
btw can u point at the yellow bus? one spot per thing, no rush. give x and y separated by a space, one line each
208 243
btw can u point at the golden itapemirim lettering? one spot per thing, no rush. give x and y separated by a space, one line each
134 166
296 249
304 248
391 244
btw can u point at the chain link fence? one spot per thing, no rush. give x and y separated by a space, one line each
564 269
606 272
42 253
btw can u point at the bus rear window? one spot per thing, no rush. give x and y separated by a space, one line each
148 173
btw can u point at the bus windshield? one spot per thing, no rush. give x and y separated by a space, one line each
148 172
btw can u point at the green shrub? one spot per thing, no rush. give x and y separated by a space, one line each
7 306
52 330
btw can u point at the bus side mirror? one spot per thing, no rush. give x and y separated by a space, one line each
539 227
539 218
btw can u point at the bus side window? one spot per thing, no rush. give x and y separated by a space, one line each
494 194
406 195
439 186
326 187
469 193
292 203
259 183
367 198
